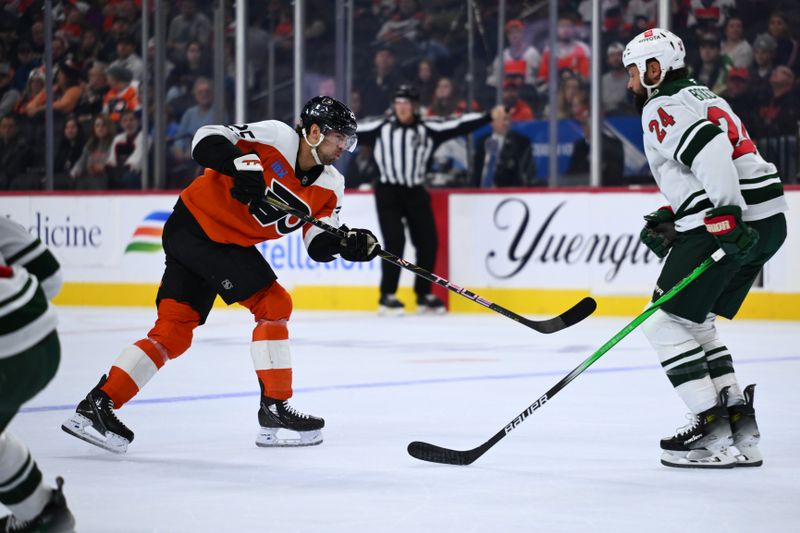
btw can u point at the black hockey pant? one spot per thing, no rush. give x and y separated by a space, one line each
398 205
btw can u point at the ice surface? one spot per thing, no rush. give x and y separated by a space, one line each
587 461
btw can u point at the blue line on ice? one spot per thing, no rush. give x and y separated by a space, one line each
401 383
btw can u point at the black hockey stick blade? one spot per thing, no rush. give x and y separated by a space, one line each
568 318
436 454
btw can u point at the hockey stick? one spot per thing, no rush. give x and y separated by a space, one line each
566 319
437 454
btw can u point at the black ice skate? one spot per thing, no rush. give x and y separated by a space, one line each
95 422
745 430
703 443
275 415
54 518
389 305
430 304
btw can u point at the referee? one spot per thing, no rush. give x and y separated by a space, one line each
403 144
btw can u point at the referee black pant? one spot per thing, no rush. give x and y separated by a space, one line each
398 205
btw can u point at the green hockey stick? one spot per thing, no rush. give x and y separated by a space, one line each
436 454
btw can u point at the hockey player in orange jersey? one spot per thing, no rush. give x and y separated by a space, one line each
209 245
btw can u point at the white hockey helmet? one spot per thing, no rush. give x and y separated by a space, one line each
659 44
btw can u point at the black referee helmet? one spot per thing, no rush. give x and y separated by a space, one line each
407 92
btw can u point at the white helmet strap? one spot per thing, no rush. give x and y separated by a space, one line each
314 146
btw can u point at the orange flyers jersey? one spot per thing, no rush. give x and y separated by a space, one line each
228 221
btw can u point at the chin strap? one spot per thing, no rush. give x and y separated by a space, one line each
314 146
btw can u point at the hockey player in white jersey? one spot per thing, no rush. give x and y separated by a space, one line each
29 356
721 194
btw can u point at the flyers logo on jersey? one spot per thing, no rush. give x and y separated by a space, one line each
267 215
648 33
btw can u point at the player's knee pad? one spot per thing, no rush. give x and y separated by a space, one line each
663 329
174 327
271 303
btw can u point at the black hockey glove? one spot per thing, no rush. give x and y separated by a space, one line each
733 236
359 245
248 179
659 233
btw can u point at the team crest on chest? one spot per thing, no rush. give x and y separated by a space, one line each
267 215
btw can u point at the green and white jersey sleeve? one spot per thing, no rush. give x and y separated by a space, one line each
701 156
26 316
20 248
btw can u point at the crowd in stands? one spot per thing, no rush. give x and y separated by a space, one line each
744 50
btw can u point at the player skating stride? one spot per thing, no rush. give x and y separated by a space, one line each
209 245
721 194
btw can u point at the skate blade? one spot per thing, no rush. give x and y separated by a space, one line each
748 456
697 459
268 438
431 311
77 426
389 311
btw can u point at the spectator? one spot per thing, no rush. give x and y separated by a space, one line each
37 37
571 54
91 101
197 116
763 62
15 155
70 148
89 172
709 15
645 10
89 49
127 57
378 88
780 113
446 103
121 26
66 96
181 80
27 62
712 68
568 91
787 52
612 159
504 158
735 46
122 94
403 26
517 50
427 80
739 96
124 165
518 109
33 89
188 26
9 39
9 96
614 83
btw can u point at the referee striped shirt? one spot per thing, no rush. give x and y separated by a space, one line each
403 151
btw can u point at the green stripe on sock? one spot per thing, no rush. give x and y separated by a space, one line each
688 372
24 487
720 366
683 355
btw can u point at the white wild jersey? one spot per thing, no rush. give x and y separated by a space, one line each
701 156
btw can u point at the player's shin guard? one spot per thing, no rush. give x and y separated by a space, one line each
683 360
21 487
718 358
